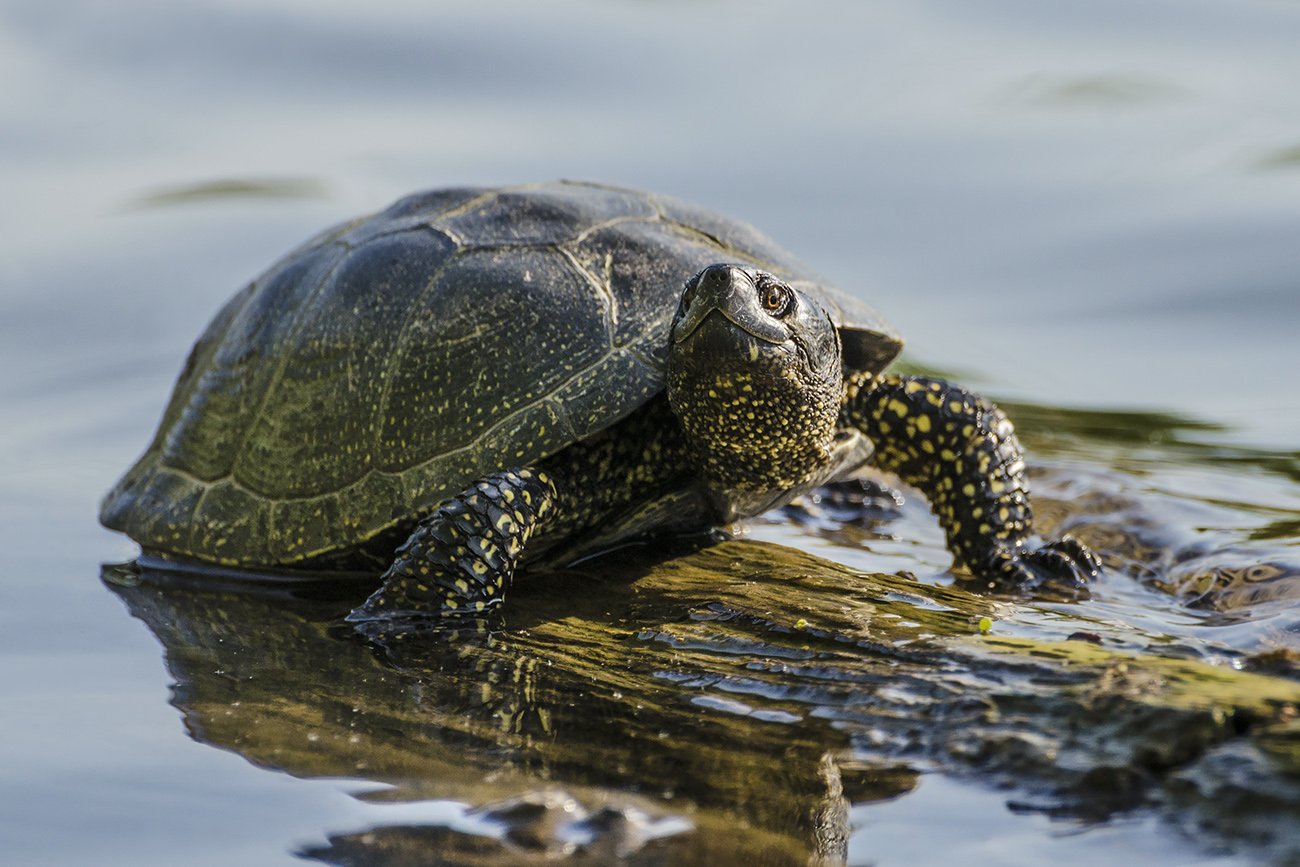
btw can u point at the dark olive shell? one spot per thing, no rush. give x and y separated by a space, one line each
387 363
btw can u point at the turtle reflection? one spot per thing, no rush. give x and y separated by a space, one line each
576 692
718 706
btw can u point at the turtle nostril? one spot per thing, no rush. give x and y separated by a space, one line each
715 276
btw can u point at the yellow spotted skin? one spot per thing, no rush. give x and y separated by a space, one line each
495 374
463 556
757 391
752 428
461 559
757 408
961 451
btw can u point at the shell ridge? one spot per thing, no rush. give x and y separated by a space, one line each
400 350
656 217
740 255
490 431
419 227
300 318
466 207
601 286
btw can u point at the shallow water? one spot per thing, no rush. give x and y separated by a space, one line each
1088 211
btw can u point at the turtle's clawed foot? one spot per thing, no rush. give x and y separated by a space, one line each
1065 565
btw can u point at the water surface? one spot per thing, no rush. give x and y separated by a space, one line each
1087 210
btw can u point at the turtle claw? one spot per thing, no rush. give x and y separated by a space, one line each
1064 565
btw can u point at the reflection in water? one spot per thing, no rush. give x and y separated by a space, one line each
565 697
720 706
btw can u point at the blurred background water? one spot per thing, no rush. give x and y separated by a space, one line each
1069 205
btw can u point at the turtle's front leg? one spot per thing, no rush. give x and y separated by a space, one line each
961 452
462 558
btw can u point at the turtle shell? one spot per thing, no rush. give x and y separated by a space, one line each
389 362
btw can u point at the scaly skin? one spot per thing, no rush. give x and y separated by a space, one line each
755 401
961 451
462 558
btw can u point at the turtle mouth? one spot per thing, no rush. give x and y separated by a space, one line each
730 291
716 338
757 326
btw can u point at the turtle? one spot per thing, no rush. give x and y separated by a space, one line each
477 379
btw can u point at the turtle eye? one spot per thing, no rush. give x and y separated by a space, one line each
775 298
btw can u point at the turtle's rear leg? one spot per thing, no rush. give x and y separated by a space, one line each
462 558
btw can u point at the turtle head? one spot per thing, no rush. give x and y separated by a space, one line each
755 377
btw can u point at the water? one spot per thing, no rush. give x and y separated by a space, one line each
1086 210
